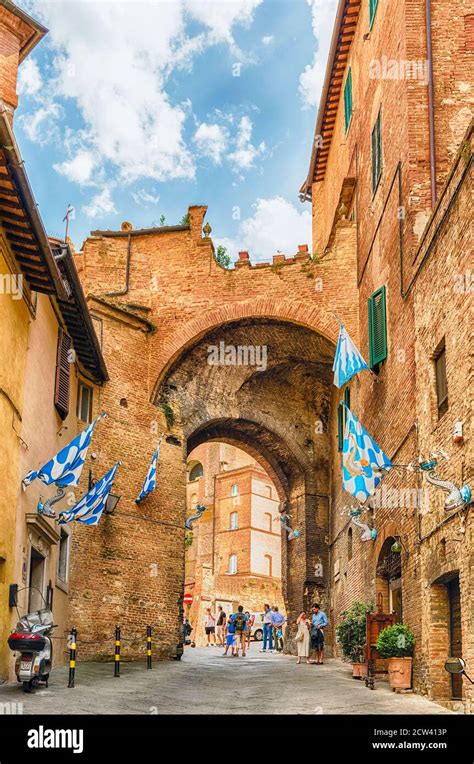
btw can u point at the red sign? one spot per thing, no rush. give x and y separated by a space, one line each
187 599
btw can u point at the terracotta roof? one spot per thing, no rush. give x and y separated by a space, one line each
20 219
344 29
31 30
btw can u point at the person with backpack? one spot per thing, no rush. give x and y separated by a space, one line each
239 619
278 621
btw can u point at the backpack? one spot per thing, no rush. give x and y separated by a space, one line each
239 622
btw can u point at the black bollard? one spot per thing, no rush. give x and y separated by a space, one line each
148 647
117 651
72 657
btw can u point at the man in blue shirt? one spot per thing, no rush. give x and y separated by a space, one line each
319 621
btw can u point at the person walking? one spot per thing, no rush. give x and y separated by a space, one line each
303 637
248 627
278 621
267 629
319 621
210 627
220 625
229 637
239 619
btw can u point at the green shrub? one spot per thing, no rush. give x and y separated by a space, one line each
396 641
351 632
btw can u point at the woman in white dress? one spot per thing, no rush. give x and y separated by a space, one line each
302 637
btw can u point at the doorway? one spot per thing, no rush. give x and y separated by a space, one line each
455 634
36 580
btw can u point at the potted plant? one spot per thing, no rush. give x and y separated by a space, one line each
351 636
396 643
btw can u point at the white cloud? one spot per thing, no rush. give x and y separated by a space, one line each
211 141
78 169
276 225
100 204
113 60
41 125
245 154
312 78
267 39
221 15
144 198
29 78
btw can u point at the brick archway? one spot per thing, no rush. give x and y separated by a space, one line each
186 335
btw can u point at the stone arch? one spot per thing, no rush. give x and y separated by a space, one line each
186 335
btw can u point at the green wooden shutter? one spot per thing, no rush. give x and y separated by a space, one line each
341 418
377 312
348 99
347 397
377 152
372 9
340 426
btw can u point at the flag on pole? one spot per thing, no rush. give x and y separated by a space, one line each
65 468
150 481
88 510
363 461
347 361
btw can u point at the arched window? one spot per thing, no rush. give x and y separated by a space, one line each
232 564
196 472
269 560
234 491
234 521
269 521
349 544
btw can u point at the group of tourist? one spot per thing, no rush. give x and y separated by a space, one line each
234 632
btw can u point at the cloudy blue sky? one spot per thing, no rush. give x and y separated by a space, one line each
133 110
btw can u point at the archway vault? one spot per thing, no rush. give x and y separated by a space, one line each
278 412
189 333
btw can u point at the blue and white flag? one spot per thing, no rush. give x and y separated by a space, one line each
363 461
88 510
150 481
65 468
347 361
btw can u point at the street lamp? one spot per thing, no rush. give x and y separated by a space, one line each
112 499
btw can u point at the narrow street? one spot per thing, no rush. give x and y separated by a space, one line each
204 682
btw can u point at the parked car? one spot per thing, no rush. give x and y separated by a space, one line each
257 629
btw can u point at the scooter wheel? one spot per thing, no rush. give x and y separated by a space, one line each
28 686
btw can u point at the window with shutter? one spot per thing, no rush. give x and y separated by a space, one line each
372 10
377 311
63 368
341 418
377 153
441 379
340 427
348 99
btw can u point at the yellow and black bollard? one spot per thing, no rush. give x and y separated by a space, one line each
117 651
72 657
148 647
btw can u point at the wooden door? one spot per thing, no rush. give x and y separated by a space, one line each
455 634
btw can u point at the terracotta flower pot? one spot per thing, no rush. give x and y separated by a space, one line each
359 670
399 673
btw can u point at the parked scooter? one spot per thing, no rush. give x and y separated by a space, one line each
31 639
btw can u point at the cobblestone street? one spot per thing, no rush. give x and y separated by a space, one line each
205 682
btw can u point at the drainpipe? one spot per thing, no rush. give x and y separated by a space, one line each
123 291
429 51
